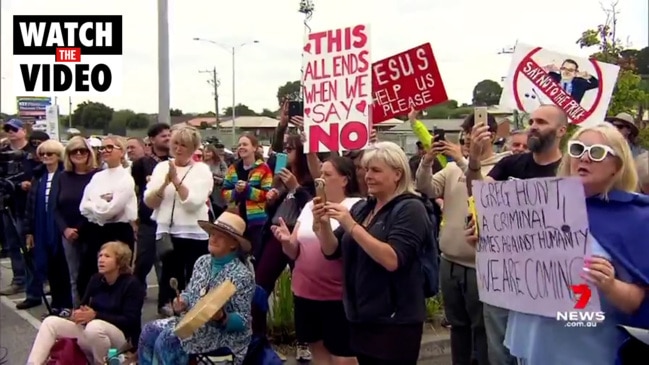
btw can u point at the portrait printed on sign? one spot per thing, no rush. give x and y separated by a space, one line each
533 237
337 88
538 76
408 80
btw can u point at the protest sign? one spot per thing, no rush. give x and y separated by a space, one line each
579 86
533 239
405 81
337 88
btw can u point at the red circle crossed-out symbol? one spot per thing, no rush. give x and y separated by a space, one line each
519 70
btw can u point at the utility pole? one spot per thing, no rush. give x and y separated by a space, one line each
215 83
507 50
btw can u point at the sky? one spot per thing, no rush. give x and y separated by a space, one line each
466 36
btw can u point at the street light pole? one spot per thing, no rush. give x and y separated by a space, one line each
233 50
163 63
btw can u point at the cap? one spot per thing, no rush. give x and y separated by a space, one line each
14 124
39 136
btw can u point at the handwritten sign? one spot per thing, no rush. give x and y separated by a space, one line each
337 89
533 239
405 81
538 76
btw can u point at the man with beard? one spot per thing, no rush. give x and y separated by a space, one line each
145 257
548 124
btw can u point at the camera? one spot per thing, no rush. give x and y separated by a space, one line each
11 170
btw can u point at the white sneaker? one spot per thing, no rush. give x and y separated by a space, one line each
303 353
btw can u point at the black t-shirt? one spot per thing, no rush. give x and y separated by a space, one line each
522 166
141 169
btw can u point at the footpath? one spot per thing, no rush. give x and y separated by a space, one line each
18 328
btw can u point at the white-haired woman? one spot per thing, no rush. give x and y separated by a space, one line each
177 208
618 267
109 204
79 165
380 242
42 237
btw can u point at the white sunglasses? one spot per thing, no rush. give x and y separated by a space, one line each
596 152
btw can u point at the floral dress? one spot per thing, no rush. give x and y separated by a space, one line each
159 345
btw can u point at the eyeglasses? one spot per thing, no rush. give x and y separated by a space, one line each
79 151
109 148
596 152
620 125
46 154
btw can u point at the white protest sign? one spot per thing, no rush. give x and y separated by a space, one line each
538 76
533 240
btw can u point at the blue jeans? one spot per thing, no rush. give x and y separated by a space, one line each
495 320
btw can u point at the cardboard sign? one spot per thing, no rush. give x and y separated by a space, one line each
337 88
579 86
405 81
533 239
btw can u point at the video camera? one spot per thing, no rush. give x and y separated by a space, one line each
11 171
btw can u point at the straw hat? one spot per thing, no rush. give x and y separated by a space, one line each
626 119
229 224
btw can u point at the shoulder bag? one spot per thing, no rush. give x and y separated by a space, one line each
164 244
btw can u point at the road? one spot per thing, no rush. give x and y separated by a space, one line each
18 328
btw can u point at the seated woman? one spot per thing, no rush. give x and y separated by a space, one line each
230 328
109 315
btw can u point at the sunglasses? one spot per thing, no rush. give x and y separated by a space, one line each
46 154
79 151
620 125
596 152
109 148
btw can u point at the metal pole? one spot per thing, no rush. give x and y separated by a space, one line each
69 112
163 63
216 97
234 125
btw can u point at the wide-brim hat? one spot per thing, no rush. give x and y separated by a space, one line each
627 119
231 225
639 334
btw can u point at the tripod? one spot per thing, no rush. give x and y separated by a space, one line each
11 229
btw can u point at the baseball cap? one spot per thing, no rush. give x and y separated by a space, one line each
13 124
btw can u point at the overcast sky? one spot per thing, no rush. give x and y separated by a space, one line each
465 35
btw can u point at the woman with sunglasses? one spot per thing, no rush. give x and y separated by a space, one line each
110 205
42 236
618 266
79 166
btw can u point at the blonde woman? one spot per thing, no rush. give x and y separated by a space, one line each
110 312
177 193
109 204
618 268
79 166
42 237
380 241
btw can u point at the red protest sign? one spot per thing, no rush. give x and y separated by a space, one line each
404 81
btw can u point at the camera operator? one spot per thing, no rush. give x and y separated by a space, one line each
20 183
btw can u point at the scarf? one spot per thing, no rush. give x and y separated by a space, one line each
45 232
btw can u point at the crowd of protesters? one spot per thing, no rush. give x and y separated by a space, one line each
96 216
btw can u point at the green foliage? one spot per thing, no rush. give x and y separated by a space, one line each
447 110
434 309
290 90
487 93
643 138
572 128
280 318
240 110
175 112
268 113
90 114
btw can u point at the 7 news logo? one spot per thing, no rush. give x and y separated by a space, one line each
580 317
67 54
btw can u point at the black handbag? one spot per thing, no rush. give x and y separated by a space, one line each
288 210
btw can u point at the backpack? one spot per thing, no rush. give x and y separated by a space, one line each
429 256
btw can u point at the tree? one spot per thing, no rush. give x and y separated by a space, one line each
127 118
627 94
175 112
487 92
268 113
240 111
90 114
642 62
290 90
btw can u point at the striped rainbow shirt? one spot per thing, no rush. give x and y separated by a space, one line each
260 179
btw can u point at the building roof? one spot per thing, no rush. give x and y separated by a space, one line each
451 125
391 122
251 122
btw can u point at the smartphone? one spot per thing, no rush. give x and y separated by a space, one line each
440 134
295 109
480 115
320 189
281 160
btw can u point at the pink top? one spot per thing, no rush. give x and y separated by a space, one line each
314 277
